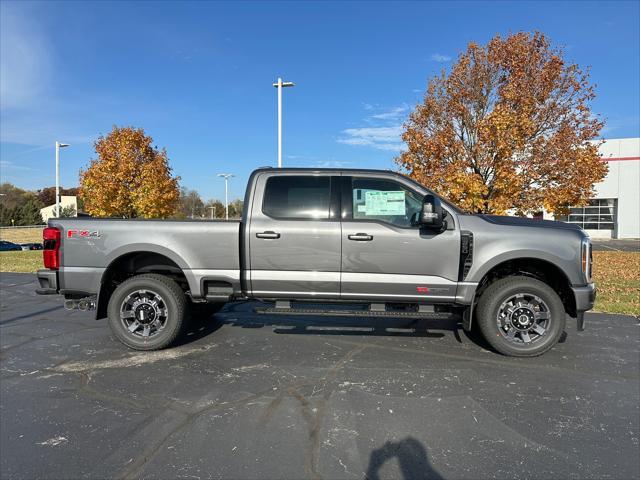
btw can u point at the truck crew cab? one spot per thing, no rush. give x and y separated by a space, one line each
356 237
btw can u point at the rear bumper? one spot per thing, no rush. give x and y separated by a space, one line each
48 281
585 297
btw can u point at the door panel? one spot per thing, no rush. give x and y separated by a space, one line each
394 262
294 257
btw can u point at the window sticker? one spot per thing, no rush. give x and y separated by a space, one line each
384 203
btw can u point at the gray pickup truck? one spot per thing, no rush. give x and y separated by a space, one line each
375 243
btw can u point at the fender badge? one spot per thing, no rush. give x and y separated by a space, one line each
83 233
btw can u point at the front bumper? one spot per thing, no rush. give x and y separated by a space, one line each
585 297
48 280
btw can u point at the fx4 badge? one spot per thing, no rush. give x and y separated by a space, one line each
421 289
83 233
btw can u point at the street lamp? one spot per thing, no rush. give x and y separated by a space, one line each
280 85
226 177
58 147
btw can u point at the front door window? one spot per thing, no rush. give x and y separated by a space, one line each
386 201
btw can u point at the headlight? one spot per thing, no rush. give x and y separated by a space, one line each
587 258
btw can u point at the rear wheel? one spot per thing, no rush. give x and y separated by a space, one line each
147 312
521 316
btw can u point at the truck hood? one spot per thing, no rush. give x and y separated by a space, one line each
527 222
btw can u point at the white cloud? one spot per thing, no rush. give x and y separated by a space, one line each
7 165
381 138
25 60
331 164
438 57
392 114
383 130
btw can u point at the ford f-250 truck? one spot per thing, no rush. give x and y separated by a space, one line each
375 239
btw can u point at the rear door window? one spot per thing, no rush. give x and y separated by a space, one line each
297 197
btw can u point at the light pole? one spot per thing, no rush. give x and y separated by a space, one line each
58 147
226 177
280 85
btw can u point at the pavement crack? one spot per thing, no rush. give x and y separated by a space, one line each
314 412
135 469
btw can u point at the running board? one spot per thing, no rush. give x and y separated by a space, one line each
352 313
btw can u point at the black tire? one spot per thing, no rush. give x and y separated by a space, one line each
171 316
204 311
510 305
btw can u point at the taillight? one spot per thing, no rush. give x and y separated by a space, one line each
51 248
587 258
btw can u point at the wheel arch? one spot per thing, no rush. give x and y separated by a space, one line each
135 263
538 268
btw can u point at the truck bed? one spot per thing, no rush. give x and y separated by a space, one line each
202 249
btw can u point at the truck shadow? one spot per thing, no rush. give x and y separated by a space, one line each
242 315
367 326
199 328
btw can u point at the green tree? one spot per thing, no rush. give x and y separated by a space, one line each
6 214
68 211
18 206
30 213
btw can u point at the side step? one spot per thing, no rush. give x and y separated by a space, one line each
375 310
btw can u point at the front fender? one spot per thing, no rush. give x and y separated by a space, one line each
568 264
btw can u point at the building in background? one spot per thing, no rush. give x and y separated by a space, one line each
69 203
614 211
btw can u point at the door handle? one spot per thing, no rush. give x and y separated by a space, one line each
361 237
270 235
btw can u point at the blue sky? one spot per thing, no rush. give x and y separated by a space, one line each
197 77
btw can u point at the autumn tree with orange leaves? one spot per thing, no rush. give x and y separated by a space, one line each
510 127
130 178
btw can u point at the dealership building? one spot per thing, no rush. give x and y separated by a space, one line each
614 211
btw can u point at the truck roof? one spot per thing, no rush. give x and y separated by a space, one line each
327 170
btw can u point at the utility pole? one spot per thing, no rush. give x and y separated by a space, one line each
280 85
226 177
58 147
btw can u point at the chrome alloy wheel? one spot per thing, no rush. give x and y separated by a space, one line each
523 318
143 313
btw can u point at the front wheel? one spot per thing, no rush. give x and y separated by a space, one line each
147 312
521 316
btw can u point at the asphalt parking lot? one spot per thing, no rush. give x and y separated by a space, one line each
256 396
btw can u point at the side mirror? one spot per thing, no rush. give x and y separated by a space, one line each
431 215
